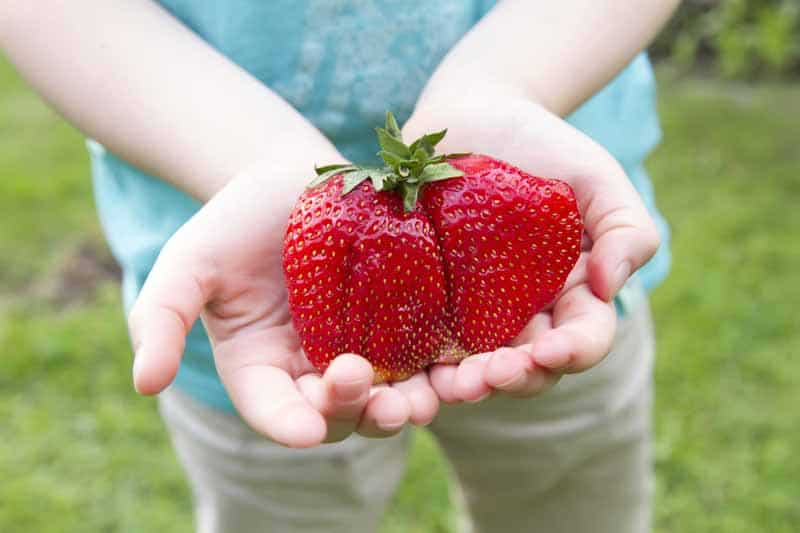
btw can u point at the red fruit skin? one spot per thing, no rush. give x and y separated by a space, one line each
364 277
463 273
509 240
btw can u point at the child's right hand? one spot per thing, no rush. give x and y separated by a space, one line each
224 265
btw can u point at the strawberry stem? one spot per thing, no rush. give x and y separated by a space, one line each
407 169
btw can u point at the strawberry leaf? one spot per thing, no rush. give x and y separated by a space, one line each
392 128
392 145
378 176
432 139
438 172
381 179
353 179
328 168
407 167
426 145
410 192
328 174
428 142
390 158
421 155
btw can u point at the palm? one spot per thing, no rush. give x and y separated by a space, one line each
247 316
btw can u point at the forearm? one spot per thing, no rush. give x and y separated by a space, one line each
131 76
556 53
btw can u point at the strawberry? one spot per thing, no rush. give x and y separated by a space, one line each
429 259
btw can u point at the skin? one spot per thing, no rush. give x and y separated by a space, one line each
130 83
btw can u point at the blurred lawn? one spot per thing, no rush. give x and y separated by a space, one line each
80 452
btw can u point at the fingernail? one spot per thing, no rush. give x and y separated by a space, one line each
349 391
480 398
392 426
514 383
621 275
527 348
135 370
552 353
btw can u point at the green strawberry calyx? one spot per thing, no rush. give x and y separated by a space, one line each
408 167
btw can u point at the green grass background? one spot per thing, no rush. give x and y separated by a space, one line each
79 452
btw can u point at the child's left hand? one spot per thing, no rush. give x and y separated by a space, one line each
577 330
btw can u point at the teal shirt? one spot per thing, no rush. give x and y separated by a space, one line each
341 63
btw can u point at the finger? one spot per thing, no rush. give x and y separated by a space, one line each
624 235
442 377
421 397
317 392
348 380
167 306
313 390
347 383
586 243
507 369
513 372
386 414
616 256
582 334
578 275
268 400
539 324
469 384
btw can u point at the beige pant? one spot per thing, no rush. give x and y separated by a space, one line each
573 460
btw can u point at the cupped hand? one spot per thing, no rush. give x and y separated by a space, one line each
577 330
224 266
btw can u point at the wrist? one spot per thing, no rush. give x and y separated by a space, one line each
483 121
292 170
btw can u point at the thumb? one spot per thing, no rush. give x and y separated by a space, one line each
167 306
623 233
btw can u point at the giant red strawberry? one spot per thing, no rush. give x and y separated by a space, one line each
431 258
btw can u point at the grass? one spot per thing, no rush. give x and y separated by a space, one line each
80 452
728 327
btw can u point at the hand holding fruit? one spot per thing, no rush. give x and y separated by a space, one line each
576 331
224 264
431 258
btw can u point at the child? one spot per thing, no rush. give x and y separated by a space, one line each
230 105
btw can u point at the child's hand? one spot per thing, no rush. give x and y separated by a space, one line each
577 330
224 265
